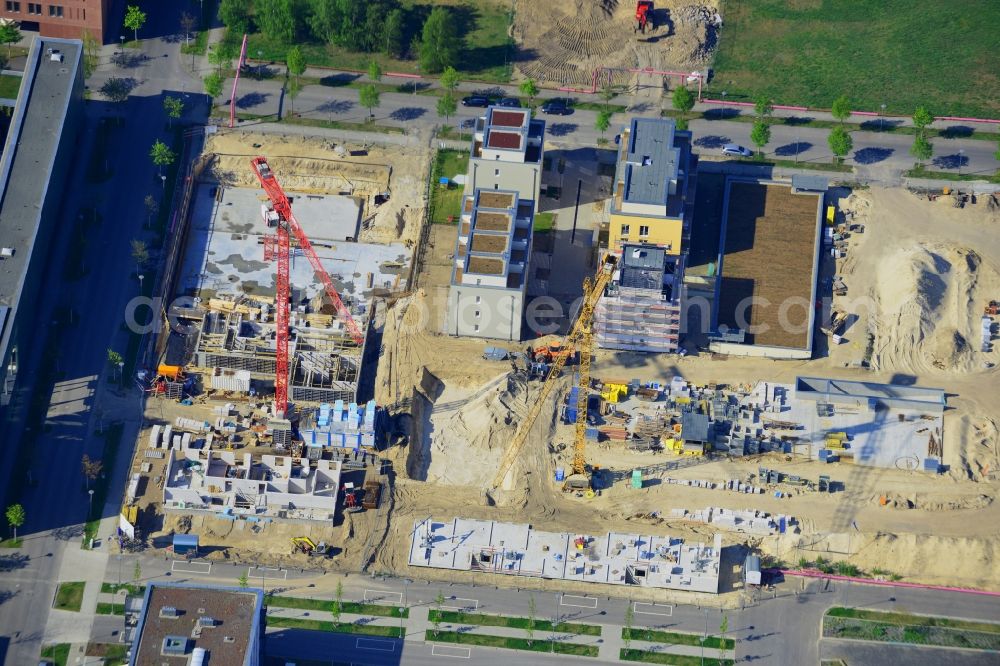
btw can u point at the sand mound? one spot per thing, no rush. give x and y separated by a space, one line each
929 308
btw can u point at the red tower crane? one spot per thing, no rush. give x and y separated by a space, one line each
286 222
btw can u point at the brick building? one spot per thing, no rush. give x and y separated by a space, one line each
62 18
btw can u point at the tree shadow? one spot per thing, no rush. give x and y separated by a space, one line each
562 129
798 120
13 561
336 106
792 149
339 80
251 100
956 132
725 113
712 141
953 161
407 113
881 124
872 155
410 86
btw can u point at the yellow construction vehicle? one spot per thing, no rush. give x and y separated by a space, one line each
580 337
303 545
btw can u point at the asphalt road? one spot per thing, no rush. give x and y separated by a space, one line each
877 155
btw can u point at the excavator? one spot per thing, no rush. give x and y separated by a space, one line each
580 337
644 16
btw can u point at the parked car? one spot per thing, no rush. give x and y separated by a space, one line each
736 150
475 100
510 102
557 107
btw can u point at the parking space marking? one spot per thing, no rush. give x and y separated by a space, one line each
269 573
591 601
455 606
384 597
666 610
375 644
457 652
196 570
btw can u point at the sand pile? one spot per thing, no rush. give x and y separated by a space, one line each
929 308
566 42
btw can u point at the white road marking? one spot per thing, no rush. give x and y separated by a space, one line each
473 605
268 572
457 652
195 570
384 597
666 610
591 601
376 644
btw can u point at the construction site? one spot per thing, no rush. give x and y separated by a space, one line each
396 446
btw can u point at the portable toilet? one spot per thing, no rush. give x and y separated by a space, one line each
637 479
186 544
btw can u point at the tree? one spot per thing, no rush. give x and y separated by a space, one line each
276 19
91 54
374 71
235 14
140 253
682 99
338 603
174 106
922 117
91 469
840 142
116 90
607 93
760 135
136 574
188 23
723 628
922 148
440 42
114 358
449 79
292 90
221 55
395 33
135 18
629 621
762 106
15 517
295 62
529 628
213 85
152 208
447 105
841 109
529 89
243 581
438 602
9 35
161 155
603 121
369 97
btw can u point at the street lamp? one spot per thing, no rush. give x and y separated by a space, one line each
961 159
163 179
91 495
121 372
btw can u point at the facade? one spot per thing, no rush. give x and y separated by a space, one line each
34 167
490 275
641 308
648 203
198 624
62 18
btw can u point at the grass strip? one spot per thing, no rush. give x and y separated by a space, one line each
112 440
12 543
792 164
677 638
104 608
345 606
922 172
673 659
446 200
485 620
338 627
112 654
57 654
69 596
9 86
114 588
509 643
913 620
544 222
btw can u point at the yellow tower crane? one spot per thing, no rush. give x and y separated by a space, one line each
580 336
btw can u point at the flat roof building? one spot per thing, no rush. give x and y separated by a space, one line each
506 153
194 624
37 156
63 18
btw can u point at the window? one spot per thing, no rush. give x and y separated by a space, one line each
13 6
34 8
643 231
56 10
496 172
625 230
478 299
496 186
478 313
475 328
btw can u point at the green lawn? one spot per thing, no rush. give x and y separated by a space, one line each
69 596
113 654
921 172
9 85
544 222
675 638
104 608
486 55
199 44
671 659
58 653
914 620
792 164
339 627
12 543
112 588
345 606
446 201
513 622
539 644
913 629
901 53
